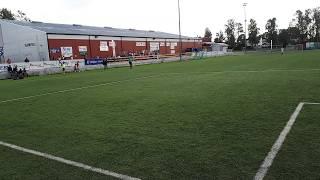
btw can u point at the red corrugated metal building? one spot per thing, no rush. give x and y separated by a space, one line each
78 41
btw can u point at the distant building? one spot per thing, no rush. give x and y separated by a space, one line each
217 47
45 41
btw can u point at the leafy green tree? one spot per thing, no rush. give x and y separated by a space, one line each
230 30
316 24
21 16
253 32
207 35
241 42
284 37
303 22
6 14
294 35
219 37
239 29
272 33
9 15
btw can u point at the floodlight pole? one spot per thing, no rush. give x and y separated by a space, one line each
245 26
180 39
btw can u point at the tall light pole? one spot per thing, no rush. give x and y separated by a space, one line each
180 39
245 26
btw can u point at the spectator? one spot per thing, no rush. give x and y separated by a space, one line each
15 73
105 63
24 71
26 60
8 61
75 68
15 68
9 69
20 74
63 67
78 66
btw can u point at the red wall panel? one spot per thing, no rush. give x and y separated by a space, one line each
122 47
58 43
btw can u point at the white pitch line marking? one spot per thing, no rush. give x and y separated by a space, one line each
308 103
75 89
279 142
145 77
68 162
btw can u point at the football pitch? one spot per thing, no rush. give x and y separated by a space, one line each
216 118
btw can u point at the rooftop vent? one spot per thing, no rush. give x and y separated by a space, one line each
107 27
132 29
77 25
36 22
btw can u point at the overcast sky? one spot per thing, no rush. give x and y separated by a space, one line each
159 15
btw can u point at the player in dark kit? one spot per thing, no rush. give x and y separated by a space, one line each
105 64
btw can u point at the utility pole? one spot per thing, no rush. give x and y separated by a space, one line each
245 26
180 39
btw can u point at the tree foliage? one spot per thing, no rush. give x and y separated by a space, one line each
219 37
230 30
272 33
21 16
207 35
6 14
9 15
253 32
239 29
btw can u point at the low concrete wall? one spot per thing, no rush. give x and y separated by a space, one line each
54 67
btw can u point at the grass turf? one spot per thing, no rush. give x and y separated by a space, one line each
209 119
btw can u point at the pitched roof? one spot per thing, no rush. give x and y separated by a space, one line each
75 29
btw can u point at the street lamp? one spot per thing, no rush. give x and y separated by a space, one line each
245 26
180 31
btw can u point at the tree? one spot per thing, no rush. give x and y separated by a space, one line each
9 15
21 16
284 37
207 35
308 23
6 14
294 35
303 21
219 37
239 29
253 33
316 24
241 42
230 29
272 34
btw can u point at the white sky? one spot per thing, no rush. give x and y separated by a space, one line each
159 15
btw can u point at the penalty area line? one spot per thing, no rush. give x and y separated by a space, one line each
68 162
279 142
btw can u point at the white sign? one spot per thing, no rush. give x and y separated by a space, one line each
154 46
83 49
141 44
104 46
162 44
173 51
66 52
168 44
174 44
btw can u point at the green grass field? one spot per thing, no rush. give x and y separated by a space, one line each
215 118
